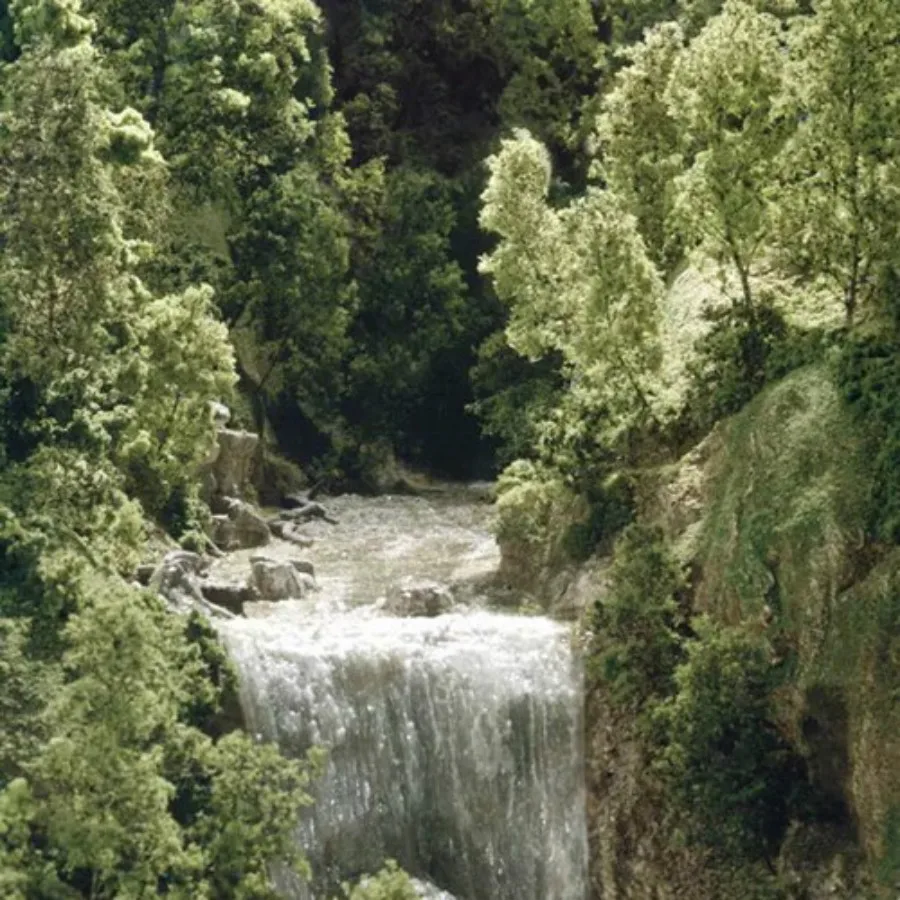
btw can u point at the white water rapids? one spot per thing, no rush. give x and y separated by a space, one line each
454 743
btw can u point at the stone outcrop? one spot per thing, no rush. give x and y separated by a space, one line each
273 580
229 470
178 579
232 594
418 597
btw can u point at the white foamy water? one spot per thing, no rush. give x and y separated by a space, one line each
454 742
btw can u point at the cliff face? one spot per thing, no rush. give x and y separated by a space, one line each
768 515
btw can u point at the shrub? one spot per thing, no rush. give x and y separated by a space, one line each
534 509
742 352
868 374
391 883
636 647
729 771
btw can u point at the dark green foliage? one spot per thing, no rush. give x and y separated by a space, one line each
636 646
513 396
868 374
411 309
213 705
727 768
744 350
611 508
889 864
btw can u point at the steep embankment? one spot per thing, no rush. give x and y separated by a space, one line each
768 514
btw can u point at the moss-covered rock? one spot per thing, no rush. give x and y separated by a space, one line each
770 514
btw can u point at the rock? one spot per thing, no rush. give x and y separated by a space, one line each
297 537
233 467
309 510
412 597
177 579
287 531
305 511
221 414
229 593
301 565
144 573
250 528
223 533
294 501
274 581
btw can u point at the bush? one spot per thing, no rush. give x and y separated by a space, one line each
731 774
636 647
743 351
391 883
534 509
611 509
868 375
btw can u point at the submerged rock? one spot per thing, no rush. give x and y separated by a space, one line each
274 580
418 597
288 531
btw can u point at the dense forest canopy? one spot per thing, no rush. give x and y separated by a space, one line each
458 232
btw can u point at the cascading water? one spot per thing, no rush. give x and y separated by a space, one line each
454 742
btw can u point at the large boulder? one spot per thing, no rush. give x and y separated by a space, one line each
177 580
418 597
274 580
229 470
229 593
248 528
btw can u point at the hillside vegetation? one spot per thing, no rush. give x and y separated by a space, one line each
638 258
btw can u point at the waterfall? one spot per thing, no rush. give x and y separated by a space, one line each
454 744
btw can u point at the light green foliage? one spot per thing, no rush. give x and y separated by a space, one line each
26 683
391 883
635 647
724 762
103 800
638 137
249 819
577 280
534 508
125 794
119 373
723 95
241 81
76 497
839 198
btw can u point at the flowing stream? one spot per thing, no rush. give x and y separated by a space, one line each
454 742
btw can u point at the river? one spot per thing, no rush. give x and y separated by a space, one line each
454 742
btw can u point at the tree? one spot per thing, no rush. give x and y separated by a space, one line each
409 284
839 196
125 798
639 144
723 94
114 372
577 280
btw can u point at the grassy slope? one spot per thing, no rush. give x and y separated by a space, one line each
786 491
